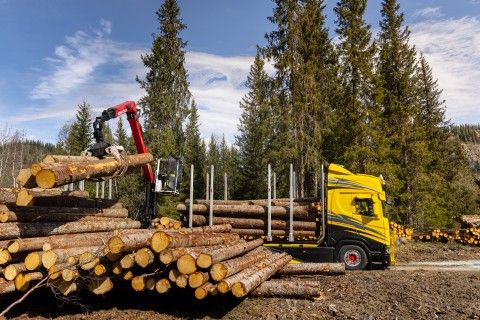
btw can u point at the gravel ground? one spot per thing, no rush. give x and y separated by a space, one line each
357 295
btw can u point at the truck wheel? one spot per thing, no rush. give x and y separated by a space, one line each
353 256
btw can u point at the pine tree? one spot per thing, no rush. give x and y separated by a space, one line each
255 132
81 133
168 98
402 125
193 154
213 158
355 128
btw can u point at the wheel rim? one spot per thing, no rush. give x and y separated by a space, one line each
352 258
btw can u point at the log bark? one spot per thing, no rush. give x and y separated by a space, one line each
312 269
221 228
7 287
25 178
63 241
35 217
245 223
8 195
171 255
275 233
260 202
222 270
288 289
21 229
30 197
206 259
75 202
299 212
73 172
130 242
248 284
162 239
63 159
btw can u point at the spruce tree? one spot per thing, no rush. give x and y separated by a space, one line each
167 99
401 114
193 154
81 133
355 128
121 137
255 132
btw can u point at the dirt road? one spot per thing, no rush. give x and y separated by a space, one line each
390 294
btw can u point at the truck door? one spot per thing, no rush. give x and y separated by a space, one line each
368 213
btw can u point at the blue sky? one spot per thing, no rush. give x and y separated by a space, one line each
56 53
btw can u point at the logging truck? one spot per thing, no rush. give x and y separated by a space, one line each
351 226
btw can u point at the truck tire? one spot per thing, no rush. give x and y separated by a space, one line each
354 257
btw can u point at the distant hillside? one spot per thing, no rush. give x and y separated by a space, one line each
470 136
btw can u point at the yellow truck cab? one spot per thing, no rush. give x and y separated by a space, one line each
351 224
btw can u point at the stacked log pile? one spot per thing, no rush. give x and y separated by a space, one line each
401 231
469 236
249 217
166 223
472 220
208 260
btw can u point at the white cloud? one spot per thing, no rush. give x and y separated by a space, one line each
430 12
91 66
452 47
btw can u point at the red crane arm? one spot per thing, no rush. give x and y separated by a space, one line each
130 108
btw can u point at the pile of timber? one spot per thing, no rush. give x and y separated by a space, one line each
166 223
57 170
470 236
206 260
401 231
249 217
472 220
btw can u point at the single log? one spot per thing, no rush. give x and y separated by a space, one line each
224 228
7 287
49 214
100 285
173 275
138 283
254 223
8 195
63 159
162 240
127 261
299 212
130 242
21 229
206 259
206 289
222 270
55 271
70 274
75 202
89 259
73 172
144 257
182 281
288 289
64 287
29 197
261 202
101 269
312 269
248 284
226 284
186 264
33 260
117 268
63 241
162 285
22 281
275 233
171 255
25 178
197 279
128 275
5 257
13 270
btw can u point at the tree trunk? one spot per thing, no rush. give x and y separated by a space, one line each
57 256
222 270
130 242
75 202
22 281
25 179
248 284
206 289
312 269
260 202
34 212
206 259
299 212
63 159
288 289
8 195
172 255
20 229
220 228
10 216
244 223
7 287
72 172
63 241
29 197
162 240
197 279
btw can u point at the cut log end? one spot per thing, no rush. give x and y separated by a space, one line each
218 272
100 286
204 260
49 258
201 293
70 274
166 257
182 281
115 244
238 290
13 246
144 257
5 257
197 279
173 275
138 283
128 261
162 286
160 241
223 287
186 264
45 178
